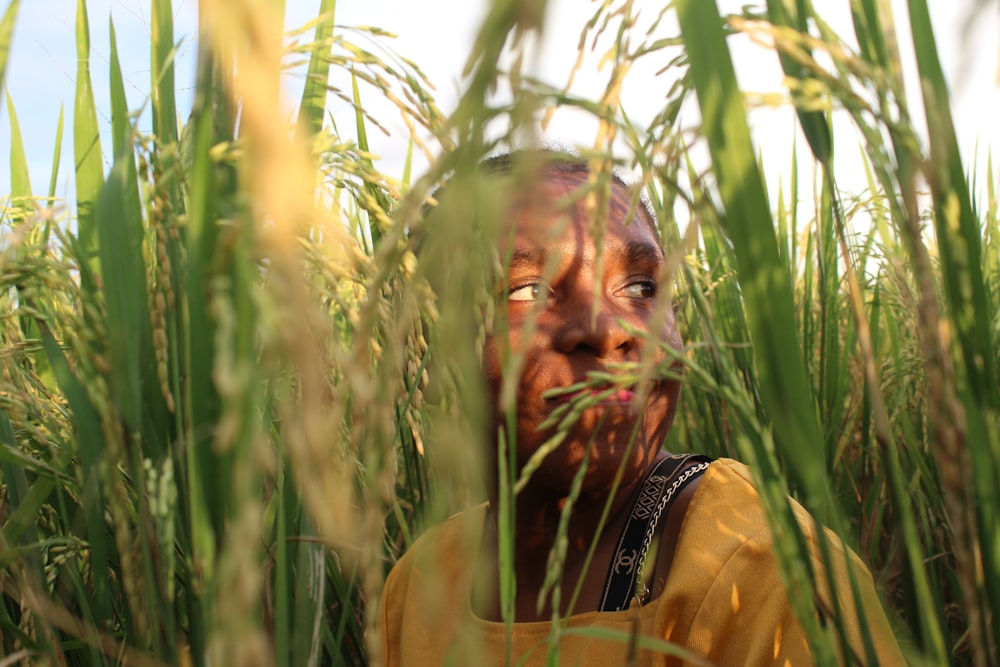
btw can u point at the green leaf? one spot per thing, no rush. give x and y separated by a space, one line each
162 62
814 124
120 125
124 284
201 400
310 588
86 144
869 32
313 102
22 209
408 164
972 312
6 34
20 181
89 437
749 224
377 194
57 155
785 393
21 521
959 232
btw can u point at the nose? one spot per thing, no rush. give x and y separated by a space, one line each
600 335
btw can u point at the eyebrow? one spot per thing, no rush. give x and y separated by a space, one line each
642 253
637 253
526 257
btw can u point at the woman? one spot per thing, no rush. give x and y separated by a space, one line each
666 549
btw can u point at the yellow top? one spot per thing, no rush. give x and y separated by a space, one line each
723 602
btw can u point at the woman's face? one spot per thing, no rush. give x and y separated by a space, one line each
565 331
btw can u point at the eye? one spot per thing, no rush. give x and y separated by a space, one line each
640 289
529 292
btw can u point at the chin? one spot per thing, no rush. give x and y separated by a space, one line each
609 453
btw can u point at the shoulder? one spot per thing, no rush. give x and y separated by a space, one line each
729 552
728 487
731 475
445 545
427 592
725 519
727 542
446 539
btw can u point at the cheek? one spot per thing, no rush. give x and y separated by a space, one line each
497 349
669 333
496 361
495 352
491 366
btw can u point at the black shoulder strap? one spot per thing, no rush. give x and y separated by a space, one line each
620 585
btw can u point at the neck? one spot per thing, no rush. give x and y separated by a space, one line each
537 517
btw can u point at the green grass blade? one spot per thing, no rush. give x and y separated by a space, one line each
785 394
6 34
119 218
991 237
120 126
139 381
156 424
309 601
168 202
201 401
407 164
161 60
89 438
959 231
813 122
56 155
750 226
19 527
20 181
383 207
869 32
21 521
313 104
86 143
287 516
21 208
972 313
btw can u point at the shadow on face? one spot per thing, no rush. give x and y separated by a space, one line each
579 319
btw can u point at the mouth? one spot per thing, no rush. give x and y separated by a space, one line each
591 395
567 404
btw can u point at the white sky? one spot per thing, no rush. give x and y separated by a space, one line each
437 34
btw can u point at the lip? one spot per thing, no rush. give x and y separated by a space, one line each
565 401
616 397
623 396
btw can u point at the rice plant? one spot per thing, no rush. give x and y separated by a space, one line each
240 374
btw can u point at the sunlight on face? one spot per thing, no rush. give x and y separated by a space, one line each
573 339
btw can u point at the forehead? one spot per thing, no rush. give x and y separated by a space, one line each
557 209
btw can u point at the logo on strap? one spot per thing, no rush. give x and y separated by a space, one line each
626 558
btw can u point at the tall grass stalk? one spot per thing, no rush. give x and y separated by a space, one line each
240 375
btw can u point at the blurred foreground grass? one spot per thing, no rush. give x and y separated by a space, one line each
231 394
